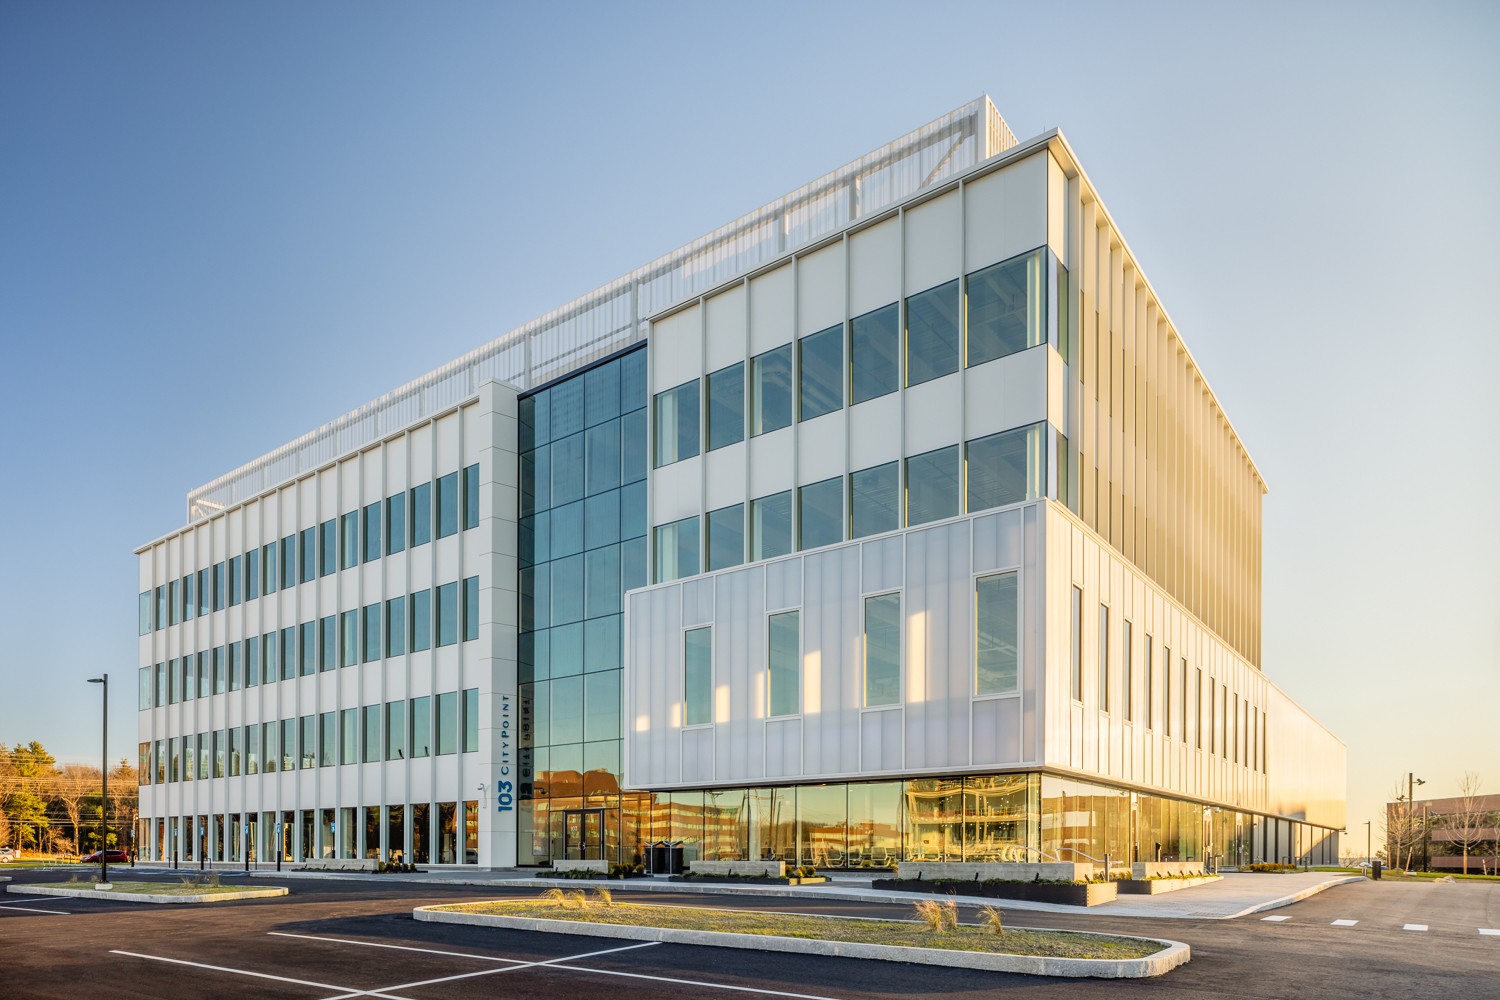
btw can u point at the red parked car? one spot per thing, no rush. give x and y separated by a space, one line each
114 856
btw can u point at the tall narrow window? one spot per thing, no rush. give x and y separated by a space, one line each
677 424
932 485
270 575
447 505
1198 708
874 500
371 528
1076 643
784 663
820 512
1103 658
252 574
1127 666
726 537
370 745
421 726
219 593
1183 677
771 526
371 650
328 739
471 720
771 390
421 621
395 626
289 562
349 540
348 638
328 643
882 649
820 373
471 496
726 406
308 756
395 524
349 736
698 673
1150 683
447 723
932 333
447 614
676 549
471 608
235 583
395 730
421 514
996 628
1007 307
1005 468
874 354
328 547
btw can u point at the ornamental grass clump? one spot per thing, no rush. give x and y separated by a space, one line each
604 897
567 900
992 921
939 917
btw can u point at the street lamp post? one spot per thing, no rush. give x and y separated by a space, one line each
1411 806
1369 859
104 774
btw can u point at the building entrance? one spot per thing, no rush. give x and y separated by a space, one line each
583 834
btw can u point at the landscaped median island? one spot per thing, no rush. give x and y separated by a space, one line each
935 938
187 890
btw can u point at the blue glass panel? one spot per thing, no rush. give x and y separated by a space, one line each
567 529
603 455
567 590
601 394
567 649
567 470
601 520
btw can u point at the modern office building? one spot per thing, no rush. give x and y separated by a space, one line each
891 520
1456 834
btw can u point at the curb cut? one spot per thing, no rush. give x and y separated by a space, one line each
1295 897
142 897
1172 955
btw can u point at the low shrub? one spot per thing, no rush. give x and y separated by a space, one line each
1267 866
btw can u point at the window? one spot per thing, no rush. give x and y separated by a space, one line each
269 752
145 613
270 575
328 547
421 514
698 675
190 596
676 549
289 652
220 761
288 562
1150 684
395 730
370 745
308 655
220 672
471 608
996 628
218 590
726 406
1166 689
252 749
771 390
471 720
601 451
236 582
784 662
307 553
349 540
882 650
932 333
395 626
820 373
447 614
327 739
395 524
252 574
1235 740
1076 643
349 736
421 621
677 424
348 638
328 642
269 654
874 500
820 512
371 651
447 505
371 527
447 723
726 537
932 485
875 353
1007 307
253 662
233 759
771 526
1126 700
1005 468
1198 709
421 726
1103 658
471 496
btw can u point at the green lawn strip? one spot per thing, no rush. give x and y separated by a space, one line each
164 888
897 933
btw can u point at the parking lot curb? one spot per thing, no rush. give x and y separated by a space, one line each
144 897
1295 897
1173 953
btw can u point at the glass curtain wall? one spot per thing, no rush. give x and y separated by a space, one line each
583 544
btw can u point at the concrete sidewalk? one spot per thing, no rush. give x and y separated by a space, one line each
1236 895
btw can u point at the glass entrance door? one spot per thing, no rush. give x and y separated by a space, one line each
583 834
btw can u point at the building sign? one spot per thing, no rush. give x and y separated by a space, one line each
505 789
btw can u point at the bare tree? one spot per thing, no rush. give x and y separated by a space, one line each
1402 828
1470 824
72 787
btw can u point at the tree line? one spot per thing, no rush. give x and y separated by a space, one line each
54 808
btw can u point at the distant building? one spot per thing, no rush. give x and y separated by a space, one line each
891 520
1436 832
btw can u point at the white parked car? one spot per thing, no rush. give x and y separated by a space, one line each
6 854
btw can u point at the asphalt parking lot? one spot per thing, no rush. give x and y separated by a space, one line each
340 939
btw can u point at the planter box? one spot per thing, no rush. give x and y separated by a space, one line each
765 869
748 880
1157 886
599 865
1074 894
1011 871
1146 869
340 865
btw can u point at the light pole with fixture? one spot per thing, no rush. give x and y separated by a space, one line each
104 774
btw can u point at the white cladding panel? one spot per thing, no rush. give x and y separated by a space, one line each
874 267
772 311
1006 212
677 354
820 289
727 328
933 242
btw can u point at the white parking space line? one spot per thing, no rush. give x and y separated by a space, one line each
32 909
1413 927
696 982
1275 919
1345 923
1490 930
399 947
383 991
256 975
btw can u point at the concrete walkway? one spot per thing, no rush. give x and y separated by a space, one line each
1236 895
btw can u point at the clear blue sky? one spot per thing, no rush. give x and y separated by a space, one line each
222 225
